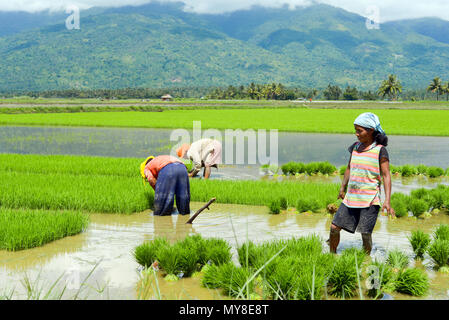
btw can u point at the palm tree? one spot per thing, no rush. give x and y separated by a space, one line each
446 90
390 87
435 86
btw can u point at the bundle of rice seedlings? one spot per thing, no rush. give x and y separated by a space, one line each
408 170
218 251
342 170
169 259
442 232
359 253
286 168
146 253
281 283
419 241
326 167
275 207
435 172
298 168
211 277
399 204
412 281
283 203
421 169
397 259
312 168
309 246
439 252
395 169
437 197
307 204
236 282
381 277
188 260
418 207
343 279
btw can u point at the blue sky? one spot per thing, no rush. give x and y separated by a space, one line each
387 9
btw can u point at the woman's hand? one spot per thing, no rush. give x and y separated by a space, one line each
390 211
342 194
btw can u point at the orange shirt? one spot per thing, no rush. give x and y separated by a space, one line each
153 167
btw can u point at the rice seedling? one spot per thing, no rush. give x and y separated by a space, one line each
442 232
169 259
218 251
275 207
418 207
399 203
211 278
412 281
380 277
307 204
435 172
408 170
342 170
283 203
439 252
146 253
419 241
421 169
343 279
397 259
24 229
312 168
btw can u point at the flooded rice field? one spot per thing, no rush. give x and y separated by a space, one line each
134 142
105 250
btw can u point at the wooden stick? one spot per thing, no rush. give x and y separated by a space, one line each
199 211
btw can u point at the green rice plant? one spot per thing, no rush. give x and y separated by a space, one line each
421 169
146 253
356 253
343 280
275 207
382 276
441 232
418 206
283 203
395 169
23 229
412 281
435 172
218 251
419 241
312 168
211 278
169 259
437 197
397 259
399 202
286 168
326 168
298 168
439 252
282 281
107 194
235 281
342 169
307 204
408 170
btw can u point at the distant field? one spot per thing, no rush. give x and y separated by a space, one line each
398 122
188 102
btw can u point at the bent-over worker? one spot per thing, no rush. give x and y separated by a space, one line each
168 177
203 153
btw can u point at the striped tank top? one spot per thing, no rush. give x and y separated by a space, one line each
364 178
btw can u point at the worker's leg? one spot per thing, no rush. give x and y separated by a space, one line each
367 242
206 172
182 190
164 195
368 219
345 218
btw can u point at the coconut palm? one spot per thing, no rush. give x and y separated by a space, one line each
436 87
390 87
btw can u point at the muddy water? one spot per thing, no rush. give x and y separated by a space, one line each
106 248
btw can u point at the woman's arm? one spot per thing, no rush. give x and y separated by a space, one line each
345 181
385 171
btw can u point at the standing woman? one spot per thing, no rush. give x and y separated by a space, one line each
361 186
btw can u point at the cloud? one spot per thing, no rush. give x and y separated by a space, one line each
388 9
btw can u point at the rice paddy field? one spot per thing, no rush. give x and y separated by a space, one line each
394 122
81 226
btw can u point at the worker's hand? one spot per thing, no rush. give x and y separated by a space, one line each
390 211
341 194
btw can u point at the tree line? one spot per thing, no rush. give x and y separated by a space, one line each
389 88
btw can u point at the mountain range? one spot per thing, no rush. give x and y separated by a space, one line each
160 45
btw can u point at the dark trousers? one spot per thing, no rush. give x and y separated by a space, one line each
172 180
